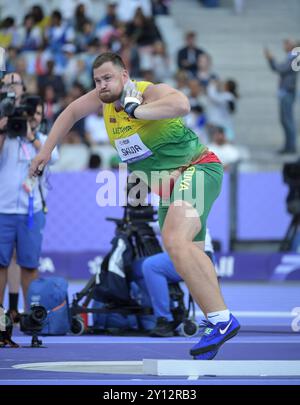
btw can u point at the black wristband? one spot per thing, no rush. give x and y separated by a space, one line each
130 108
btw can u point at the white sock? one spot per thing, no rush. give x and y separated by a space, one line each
219 316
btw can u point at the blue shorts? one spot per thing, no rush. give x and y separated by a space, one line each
14 232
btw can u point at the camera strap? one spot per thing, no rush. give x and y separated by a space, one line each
44 205
30 191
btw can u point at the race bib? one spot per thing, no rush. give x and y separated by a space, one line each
132 149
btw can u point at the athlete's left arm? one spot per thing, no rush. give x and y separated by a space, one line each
162 101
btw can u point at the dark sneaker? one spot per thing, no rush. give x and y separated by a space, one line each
214 336
6 329
5 340
163 328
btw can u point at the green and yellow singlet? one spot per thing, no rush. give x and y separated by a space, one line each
151 145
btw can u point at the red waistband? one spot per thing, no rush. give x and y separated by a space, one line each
208 157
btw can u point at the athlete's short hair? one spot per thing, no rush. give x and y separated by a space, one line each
114 58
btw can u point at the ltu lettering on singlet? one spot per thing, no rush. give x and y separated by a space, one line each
121 130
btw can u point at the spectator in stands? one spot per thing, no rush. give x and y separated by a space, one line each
84 77
94 47
96 138
30 35
40 20
204 69
143 30
29 79
80 18
8 33
126 9
95 132
69 67
51 104
160 7
196 94
196 119
160 63
76 91
58 33
226 152
50 78
11 59
83 38
113 37
148 75
286 94
222 98
187 57
181 81
109 20
129 53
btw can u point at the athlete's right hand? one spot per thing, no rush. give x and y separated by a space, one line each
3 122
131 98
38 164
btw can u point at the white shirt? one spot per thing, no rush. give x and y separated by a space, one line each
95 126
217 109
15 158
227 153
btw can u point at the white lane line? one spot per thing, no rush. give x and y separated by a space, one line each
259 314
219 368
237 340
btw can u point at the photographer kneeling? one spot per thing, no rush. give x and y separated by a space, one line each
22 217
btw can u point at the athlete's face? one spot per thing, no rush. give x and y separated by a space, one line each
110 80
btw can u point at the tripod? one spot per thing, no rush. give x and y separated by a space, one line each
293 229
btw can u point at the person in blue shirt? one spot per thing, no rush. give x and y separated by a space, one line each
153 276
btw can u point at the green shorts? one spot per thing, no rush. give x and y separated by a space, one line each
200 185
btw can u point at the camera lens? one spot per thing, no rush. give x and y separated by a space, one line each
38 314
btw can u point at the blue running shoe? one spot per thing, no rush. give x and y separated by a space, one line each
207 355
214 336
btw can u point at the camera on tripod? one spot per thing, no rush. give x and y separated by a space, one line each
17 115
138 209
291 176
32 323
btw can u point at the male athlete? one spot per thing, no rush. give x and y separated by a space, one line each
144 125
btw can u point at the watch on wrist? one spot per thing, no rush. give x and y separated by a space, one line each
34 139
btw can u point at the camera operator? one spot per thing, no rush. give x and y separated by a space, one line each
22 216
